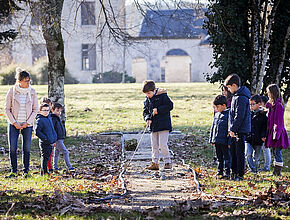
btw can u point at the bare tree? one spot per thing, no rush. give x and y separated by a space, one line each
51 28
264 53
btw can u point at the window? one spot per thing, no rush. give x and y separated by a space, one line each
88 56
88 13
38 51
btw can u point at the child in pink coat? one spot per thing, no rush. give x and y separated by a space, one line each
276 136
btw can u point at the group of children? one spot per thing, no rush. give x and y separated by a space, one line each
247 122
51 134
241 121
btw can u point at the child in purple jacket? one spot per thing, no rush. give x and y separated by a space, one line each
276 137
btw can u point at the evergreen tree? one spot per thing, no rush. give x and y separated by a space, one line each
250 38
227 26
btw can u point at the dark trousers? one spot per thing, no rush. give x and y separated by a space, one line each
45 151
13 135
224 158
238 155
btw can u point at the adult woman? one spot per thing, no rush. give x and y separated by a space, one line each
20 108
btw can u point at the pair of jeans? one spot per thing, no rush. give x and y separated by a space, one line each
253 154
278 156
45 151
13 134
60 148
267 157
224 158
159 139
238 155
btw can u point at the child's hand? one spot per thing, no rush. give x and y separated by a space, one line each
155 111
212 144
232 134
263 139
229 146
148 122
54 144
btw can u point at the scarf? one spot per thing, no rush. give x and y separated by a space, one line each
22 91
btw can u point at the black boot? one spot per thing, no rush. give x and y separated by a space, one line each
277 170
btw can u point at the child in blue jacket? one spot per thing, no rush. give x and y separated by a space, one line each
46 134
219 136
239 124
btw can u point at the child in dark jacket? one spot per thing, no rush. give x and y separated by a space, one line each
156 113
60 131
266 151
239 124
46 134
219 136
257 136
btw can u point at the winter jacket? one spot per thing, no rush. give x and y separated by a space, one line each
58 127
276 134
258 128
45 130
219 128
240 116
161 121
12 106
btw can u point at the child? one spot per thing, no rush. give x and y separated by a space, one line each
49 102
264 100
228 95
266 151
156 113
46 134
60 131
239 124
219 136
277 137
256 138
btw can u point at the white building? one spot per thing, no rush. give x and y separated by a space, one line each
167 46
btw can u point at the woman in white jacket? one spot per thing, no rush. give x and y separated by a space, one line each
21 107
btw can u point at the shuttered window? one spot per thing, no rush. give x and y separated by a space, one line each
88 56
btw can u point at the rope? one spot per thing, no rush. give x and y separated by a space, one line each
137 146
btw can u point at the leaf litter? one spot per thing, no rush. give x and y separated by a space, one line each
99 166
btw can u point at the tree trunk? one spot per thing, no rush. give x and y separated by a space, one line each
255 42
266 47
51 29
281 65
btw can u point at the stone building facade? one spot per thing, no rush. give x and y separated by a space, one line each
177 54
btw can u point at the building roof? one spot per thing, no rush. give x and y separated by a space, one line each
179 23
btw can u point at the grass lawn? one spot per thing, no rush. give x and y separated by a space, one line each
98 108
